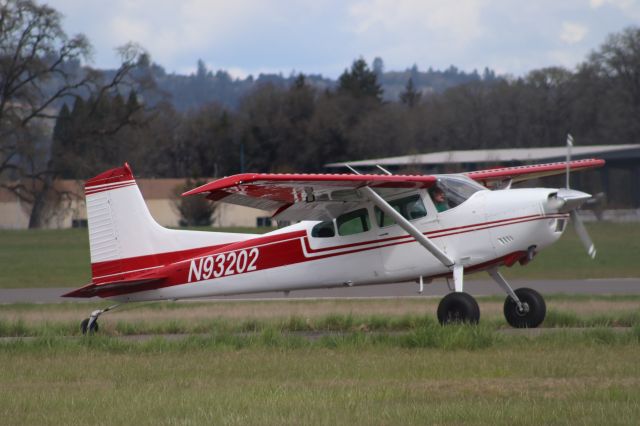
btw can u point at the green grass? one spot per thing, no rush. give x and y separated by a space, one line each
53 257
44 258
558 379
282 317
60 258
618 246
386 368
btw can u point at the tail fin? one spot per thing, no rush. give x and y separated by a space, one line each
116 212
123 236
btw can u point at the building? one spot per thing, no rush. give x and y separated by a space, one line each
161 196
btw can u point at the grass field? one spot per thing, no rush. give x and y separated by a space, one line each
383 362
436 375
51 258
518 382
343 315
60 258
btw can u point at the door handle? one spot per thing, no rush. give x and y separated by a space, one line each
382 235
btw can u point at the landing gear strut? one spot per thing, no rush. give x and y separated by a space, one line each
90 325
524 307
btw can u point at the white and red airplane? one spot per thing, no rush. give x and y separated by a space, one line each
354 229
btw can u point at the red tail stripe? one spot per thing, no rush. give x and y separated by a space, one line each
95 190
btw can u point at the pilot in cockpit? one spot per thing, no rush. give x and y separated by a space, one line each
439 199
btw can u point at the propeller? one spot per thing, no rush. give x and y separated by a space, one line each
571 202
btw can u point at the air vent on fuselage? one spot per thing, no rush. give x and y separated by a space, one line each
505 239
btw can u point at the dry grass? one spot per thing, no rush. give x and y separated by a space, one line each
268 310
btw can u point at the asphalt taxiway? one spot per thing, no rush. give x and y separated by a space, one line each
614 286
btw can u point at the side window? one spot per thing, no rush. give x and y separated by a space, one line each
324 230
415 207
384 220
410 208
353 222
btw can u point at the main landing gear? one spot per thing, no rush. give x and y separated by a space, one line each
523 308
458 308
90 325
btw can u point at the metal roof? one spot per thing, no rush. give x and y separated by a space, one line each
491 155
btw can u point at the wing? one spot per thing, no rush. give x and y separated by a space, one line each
305 196
496 178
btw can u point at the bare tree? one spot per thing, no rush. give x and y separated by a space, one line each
39 70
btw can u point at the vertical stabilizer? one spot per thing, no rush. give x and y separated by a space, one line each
124 237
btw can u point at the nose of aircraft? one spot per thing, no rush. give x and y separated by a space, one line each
565 200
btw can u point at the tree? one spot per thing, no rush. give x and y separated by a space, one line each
410 97
34 52
39 70
194 210
378 66
201 73
360 82
617 62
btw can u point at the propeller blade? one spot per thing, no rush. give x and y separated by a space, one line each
583 234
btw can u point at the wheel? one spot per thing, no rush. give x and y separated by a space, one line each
533 313
85 323
458 308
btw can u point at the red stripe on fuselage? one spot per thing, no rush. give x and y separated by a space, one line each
286 249
113 269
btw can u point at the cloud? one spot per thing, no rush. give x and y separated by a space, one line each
324 36
572 32
631 8
457 22
622 4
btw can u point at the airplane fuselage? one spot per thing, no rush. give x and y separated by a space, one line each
490 228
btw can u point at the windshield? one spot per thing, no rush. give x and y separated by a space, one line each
456 189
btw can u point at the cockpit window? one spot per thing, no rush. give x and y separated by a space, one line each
353 222
324 230
451 191
410 207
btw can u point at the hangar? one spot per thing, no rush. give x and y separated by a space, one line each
619 179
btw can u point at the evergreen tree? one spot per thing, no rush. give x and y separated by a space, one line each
410 96
360 82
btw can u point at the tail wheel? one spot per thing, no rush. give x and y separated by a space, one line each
84 326
458 308
532 312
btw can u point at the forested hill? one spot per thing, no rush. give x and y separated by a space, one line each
207 86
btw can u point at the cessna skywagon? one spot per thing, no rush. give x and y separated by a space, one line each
352 229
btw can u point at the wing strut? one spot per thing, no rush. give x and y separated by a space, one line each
419 236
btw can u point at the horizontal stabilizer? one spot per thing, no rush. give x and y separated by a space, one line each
105 288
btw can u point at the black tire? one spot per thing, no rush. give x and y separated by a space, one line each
534 313
456 308
85 323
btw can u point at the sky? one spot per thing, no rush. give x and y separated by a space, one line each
325 36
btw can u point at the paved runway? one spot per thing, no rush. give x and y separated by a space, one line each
437 288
